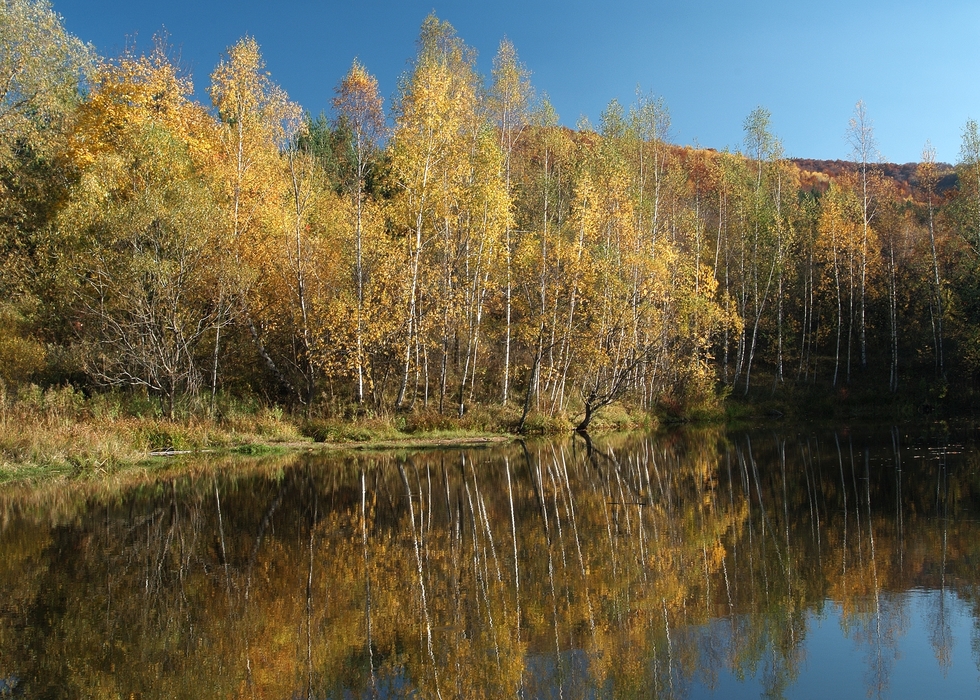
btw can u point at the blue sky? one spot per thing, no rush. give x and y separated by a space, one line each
915 65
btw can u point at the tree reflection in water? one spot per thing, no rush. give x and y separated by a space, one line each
638 566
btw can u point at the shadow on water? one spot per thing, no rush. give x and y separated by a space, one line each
696 564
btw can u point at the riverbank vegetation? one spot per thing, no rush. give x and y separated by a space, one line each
455 260
60 433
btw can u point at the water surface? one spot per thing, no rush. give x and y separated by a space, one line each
776 564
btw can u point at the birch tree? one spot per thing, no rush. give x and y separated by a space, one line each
433 115
359 109
928 178
969 173
254 115
764 263
864 151
511 96
41 70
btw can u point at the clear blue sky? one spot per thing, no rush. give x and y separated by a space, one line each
916 65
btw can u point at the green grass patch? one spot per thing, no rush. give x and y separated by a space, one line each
257 449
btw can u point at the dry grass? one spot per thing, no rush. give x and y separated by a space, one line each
60 431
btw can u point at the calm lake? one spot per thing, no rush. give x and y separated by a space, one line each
787 563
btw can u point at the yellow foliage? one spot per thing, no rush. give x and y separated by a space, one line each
20 354
133 93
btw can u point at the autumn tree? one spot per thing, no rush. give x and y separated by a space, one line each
895 224
359 108
649 307
969 179
481 252
837 245
864 151
21 355
435 124
545 255
648 124
510 100
928 178
140 221
306 195
256 117
764 243
41 67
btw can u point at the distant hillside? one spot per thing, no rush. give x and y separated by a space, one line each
816 174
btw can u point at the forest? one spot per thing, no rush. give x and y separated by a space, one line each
455 247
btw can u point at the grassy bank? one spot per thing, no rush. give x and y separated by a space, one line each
62 433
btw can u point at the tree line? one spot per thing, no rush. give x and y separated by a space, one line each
460 248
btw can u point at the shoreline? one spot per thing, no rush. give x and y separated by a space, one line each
62 436
83 466
389 444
